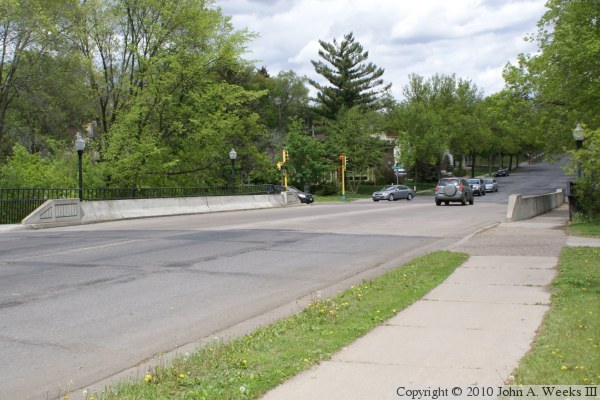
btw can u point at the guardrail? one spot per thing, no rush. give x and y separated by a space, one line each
17 203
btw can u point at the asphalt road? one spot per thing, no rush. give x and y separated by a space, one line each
79 304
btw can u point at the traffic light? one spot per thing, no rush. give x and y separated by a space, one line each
342 160
285 155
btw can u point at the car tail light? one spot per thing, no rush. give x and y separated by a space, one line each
460 187
436 187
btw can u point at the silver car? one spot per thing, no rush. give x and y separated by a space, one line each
453 190
491 185
394 192
478 186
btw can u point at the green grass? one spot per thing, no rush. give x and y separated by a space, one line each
566 350
247 367
588 229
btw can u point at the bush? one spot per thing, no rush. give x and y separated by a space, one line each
326 189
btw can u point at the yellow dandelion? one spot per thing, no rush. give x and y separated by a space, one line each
306 360
181 376
564 367
148 378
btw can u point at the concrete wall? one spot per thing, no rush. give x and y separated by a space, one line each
524 207
71 211
55 212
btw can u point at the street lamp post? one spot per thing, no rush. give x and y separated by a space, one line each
578 136
277 101
232 157
79 146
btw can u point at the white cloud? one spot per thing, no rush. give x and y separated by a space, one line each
473 39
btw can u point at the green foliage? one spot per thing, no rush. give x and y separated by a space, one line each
584 226
154 81
308 163
352 134
26 170
354 83
29 34
587 160
562 78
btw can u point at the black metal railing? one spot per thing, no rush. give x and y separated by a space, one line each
16 204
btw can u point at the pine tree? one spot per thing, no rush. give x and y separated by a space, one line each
354 82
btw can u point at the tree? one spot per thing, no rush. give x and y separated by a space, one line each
287 98
28 35
514 124
586 159
425 123
353 82
562 79
469 135
351 134
160 72
308 163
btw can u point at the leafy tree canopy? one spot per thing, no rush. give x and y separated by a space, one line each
564 78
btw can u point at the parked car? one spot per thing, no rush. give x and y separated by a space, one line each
304 197
501 172
453 190
393 192
491 185
478 186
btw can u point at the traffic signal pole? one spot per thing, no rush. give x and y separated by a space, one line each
285 157
342 160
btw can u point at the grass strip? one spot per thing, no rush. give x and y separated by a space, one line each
587 229
247 367
566 349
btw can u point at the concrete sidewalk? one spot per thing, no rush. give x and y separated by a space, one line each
472 329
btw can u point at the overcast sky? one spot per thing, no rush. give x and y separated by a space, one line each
473 39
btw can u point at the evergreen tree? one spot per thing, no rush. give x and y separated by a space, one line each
354 82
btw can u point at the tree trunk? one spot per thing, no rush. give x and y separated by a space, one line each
473 165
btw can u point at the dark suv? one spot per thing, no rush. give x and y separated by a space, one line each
453 189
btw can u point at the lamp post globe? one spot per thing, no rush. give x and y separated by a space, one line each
80 146
232 157
578 135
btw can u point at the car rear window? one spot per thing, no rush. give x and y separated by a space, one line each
446 181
